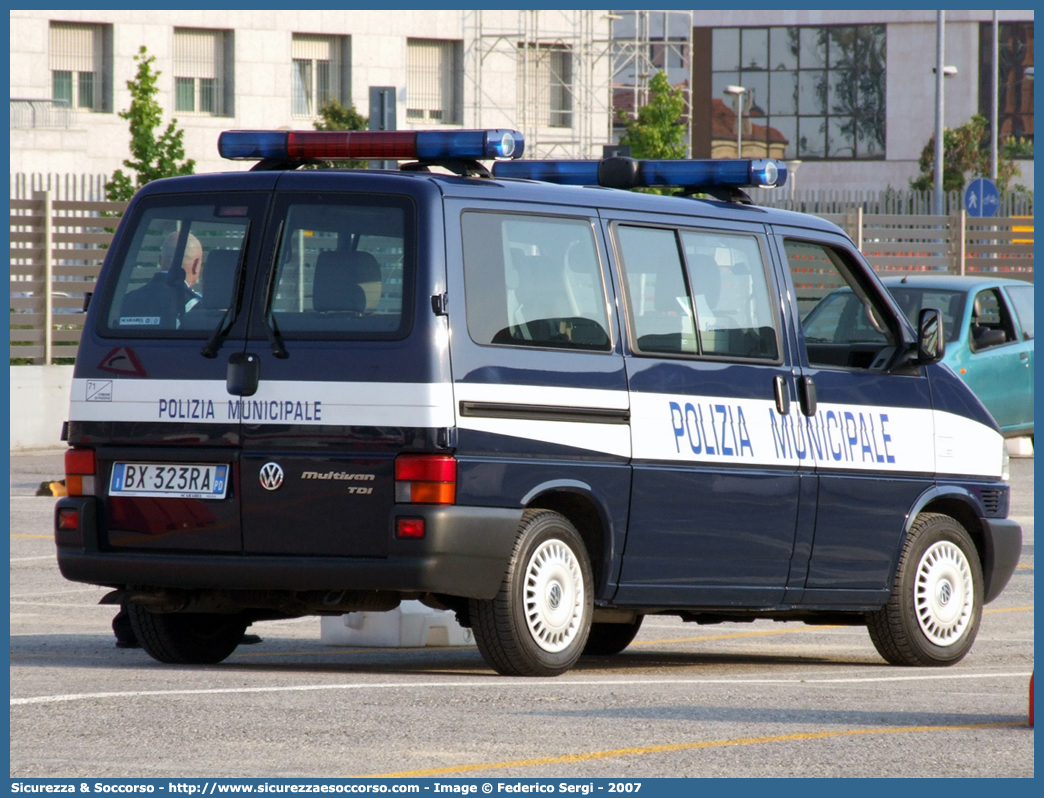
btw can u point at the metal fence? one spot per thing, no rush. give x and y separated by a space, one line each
30 113
58 245
888 202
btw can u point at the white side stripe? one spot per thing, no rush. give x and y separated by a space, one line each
374 404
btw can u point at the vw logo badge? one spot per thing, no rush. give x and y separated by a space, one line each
271 476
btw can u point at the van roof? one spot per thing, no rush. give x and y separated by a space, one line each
514 189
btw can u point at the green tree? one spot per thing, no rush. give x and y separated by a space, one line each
657 131
152 157
335 116
966 154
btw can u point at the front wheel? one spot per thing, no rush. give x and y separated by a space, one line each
186 638
538 623
933 614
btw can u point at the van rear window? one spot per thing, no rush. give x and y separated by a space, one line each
342 266
176 275
534 281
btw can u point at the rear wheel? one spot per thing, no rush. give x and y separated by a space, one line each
186 638
933 614
538 623
607 639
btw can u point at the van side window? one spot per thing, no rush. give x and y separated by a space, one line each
731 288
177 276
659 304
842 327
533 281
340 269
670 274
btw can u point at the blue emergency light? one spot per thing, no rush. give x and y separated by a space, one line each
621 172
449 145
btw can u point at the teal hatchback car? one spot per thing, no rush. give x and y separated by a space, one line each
988 324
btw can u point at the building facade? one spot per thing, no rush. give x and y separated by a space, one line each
544 72
852 93
848 94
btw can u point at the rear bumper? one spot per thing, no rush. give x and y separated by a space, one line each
465 552
1003 547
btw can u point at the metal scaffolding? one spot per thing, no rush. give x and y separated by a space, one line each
547 73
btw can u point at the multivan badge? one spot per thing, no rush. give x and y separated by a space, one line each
271 476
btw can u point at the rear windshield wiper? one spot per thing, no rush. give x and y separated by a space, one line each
267 319
210 348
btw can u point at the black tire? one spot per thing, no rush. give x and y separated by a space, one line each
186 638
933 614
538 623
607 639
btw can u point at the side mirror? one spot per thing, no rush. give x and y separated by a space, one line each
931 343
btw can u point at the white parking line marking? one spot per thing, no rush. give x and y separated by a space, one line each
500 683
59 592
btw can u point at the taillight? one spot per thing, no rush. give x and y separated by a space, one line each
409 528
425 479
68 519
79 472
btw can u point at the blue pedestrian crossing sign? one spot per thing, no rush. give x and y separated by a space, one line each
981 198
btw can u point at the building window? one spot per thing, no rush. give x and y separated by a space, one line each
545 80
433 81
318 73
80 59
1015 98
201 83
812 92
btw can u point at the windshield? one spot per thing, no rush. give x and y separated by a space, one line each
839 319
913 300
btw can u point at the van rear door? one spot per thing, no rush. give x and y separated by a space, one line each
345 374
149 391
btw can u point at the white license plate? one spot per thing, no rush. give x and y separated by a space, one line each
176 480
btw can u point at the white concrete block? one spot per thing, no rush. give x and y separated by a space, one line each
39 405
1019 447
411 625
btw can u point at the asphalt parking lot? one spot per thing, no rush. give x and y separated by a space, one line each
735 700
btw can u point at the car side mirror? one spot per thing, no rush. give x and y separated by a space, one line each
931 343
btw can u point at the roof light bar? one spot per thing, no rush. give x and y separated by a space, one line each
622 172
255 145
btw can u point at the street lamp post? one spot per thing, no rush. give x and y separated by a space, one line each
995 82
940 46
738 92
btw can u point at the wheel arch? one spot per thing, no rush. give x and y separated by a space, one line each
956 502
581 504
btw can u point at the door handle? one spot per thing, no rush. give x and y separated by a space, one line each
779 388
243 375
807 395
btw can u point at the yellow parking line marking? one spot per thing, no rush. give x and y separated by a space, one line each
47 537
1008 609
731 636
658 749
1027 567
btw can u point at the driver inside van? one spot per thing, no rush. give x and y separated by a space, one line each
169 295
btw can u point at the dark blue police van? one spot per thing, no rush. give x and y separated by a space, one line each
528 395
